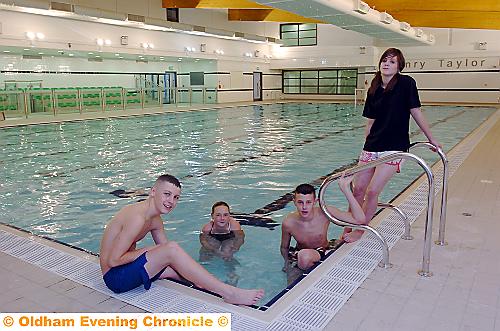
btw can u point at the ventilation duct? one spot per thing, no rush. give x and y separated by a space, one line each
136 18
61 6
198 28
351 15
97 13
38 4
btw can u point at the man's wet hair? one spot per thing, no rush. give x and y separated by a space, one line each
305 189
169 179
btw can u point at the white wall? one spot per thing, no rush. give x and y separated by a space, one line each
337 48
453 70
82 36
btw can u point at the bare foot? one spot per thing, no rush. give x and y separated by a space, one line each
346 231
353 236
240 296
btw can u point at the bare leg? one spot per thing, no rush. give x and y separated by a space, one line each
170 273
306 258
171 254
383 173
360 184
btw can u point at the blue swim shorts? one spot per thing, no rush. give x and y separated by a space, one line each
129 276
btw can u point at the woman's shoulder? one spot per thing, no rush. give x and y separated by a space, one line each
235 225
207 227
406 82
406 79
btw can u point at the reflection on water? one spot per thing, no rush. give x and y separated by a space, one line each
55 179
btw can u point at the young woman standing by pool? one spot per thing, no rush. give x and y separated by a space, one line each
392 98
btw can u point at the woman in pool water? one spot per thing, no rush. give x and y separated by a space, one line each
223 234
392 98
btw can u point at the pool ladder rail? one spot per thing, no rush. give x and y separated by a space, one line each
430 204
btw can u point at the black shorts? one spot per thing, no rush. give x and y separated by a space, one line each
323 251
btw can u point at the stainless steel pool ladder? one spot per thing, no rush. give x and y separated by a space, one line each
444 188
385 249
444 197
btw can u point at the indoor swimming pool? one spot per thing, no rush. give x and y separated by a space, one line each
56 179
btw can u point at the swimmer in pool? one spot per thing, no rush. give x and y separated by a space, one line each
124 266
223 234
308 225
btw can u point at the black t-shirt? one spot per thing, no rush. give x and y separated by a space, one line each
391 112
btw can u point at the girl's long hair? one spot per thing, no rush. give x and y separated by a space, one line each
377 80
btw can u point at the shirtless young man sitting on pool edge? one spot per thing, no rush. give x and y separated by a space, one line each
309 225
125 267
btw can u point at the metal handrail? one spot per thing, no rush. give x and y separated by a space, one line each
430 207
402 215
23 97
444 189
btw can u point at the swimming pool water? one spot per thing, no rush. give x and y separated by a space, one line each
56 179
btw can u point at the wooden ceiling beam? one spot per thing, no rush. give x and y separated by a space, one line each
455 19
441 5
215 4
465 14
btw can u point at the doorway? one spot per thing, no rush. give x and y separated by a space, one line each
257 86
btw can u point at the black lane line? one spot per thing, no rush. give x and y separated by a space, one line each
282 201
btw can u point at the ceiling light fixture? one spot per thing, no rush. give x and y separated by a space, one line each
403 26
361 7
386 18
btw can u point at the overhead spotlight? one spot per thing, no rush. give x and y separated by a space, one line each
361 7
35 35
30 35
386 18
419 33
219 51
431 38
189 49
102 42
481 45
147 45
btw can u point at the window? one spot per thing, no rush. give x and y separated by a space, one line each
173 14
338 81
299 34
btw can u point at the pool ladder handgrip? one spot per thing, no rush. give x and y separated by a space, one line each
444 188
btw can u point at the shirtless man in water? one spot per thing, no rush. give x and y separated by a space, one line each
309 225
124 266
